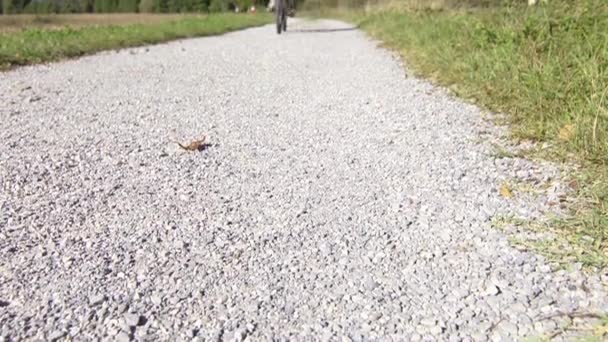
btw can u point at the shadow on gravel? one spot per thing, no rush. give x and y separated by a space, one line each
322 30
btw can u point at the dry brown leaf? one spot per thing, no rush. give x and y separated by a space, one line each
566 132
196 145
573 185
505 191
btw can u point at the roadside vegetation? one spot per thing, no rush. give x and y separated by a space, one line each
36 31
38 45
124 6
545 66
10 23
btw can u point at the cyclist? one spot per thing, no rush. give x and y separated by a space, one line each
291 8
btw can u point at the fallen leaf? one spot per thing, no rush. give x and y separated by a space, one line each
566 132
505 191
573 185
196 145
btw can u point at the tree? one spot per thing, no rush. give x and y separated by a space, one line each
71 6
161 6
244 5
86 6
200 5
10 7
128 6
98 6
39 7
218 6
173 6
147 6
109 6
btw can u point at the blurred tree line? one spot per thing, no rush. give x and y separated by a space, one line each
413 4
124 6
173 6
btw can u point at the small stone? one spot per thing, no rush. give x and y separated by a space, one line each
547 309
479 337
523 174
134 320
371 284
415 337
375 316
237 336
499 336
492 290
97 299
122 307
122 337
192 333
428 322
494 303
73 331
524 319
545 326
156 299
436 330
544 268
508 327
461 293
289 309
500 283
55 335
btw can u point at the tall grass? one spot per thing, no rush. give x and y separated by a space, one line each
546 66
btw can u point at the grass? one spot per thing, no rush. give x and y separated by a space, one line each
559 248
546 67
595 333
10 23
38 45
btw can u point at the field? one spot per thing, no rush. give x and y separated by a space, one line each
26 39
11 23
544 66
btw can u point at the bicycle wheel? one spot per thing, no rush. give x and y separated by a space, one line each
284 19
278 8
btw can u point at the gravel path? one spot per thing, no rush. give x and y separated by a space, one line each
339 197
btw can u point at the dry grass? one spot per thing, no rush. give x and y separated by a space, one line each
17 22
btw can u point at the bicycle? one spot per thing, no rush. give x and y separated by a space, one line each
280 9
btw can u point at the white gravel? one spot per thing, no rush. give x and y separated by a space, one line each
339 197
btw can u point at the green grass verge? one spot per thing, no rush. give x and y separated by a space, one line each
31 46
545 66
